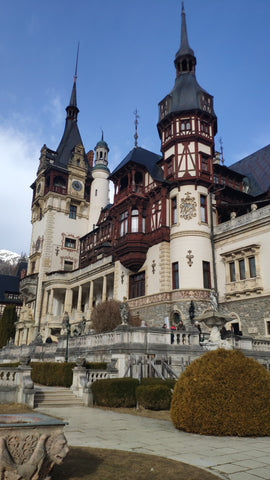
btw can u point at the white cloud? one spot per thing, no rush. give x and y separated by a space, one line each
19 163
55 108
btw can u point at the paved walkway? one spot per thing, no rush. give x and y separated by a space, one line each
230 458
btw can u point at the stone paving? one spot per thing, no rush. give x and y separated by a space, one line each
229 458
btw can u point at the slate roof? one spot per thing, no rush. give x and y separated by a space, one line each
145 158
257 168
186 94
8 283
71 138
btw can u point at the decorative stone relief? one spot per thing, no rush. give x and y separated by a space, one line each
189 258
188 206
30 457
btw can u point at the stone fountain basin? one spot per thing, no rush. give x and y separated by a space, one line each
30 444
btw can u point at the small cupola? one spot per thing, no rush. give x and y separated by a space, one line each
102 150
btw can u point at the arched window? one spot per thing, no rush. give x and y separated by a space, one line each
124 183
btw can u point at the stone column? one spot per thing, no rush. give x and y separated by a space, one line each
44 305
68 300
50 302
104 289
79 301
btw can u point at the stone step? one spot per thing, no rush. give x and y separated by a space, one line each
56 397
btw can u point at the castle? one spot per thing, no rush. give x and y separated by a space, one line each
184 230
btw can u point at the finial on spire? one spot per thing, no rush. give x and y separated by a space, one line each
102 134
76 66
183 9
136 127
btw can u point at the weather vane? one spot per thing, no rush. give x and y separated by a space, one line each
136 127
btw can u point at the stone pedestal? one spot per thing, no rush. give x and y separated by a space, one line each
30 445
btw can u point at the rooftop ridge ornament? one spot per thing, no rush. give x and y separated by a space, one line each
136 128
221 150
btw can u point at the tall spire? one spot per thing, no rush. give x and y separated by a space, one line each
72 109
185 60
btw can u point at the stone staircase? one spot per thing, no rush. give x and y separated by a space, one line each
46 397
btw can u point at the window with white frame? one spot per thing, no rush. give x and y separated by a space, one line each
242 271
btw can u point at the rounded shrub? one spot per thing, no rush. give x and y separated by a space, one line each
115 392
223 393
154 397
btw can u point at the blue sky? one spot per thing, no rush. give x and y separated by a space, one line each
126 58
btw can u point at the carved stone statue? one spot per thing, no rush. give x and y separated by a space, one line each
213 300
16 464
124 312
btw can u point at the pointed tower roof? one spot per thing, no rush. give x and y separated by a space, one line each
187 95
184 45
71 136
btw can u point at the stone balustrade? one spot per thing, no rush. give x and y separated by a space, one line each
16 385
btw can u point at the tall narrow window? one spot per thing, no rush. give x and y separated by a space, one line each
242 271
206 275
174 210
175 276
137 285
203 208
73 212
204 163
135 220
252 267
143 220
232 271
123 223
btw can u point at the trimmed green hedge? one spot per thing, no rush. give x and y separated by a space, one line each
56 374
10 365
52 373
96 365
115 392
169 382
154 397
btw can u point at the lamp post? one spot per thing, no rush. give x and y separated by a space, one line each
66 325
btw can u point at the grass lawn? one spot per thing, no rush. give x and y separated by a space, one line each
84 463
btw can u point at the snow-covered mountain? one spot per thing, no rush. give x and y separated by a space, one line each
9 257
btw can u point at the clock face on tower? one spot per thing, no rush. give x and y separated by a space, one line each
76 185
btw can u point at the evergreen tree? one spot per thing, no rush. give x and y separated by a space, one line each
7 324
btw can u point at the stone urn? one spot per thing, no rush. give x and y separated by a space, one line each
30 445
214 320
